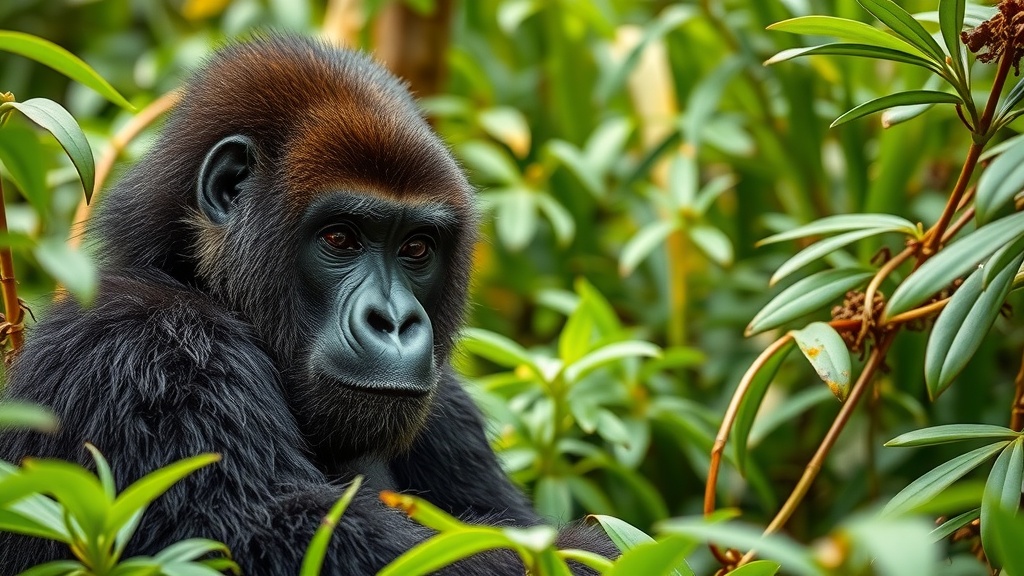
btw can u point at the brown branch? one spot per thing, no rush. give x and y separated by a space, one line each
9 284
118 143
1017 412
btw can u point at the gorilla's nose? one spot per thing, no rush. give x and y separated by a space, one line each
400 327
394 329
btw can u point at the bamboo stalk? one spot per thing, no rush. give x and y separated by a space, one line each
9 284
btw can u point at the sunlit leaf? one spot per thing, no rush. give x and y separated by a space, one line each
845 223
508 126
24 415
795 558
910 97
515 217
860 50
826 350
422 511
151 486
1002 491
939 478
103 471
643 243
962 326
53 118
52 55
56 568
947 528
902 23
757 378
608 354
951 23
896 546
605 145
496 348
444 549
815 252
805 296
954 261
758 568
664 558
488 163
848 30
622 533
714 243
570 157
952 433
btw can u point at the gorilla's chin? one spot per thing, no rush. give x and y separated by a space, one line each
384 422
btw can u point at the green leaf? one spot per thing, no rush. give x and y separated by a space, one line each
767 365
562 222
1007 532
951 23
22 155
860 50
71 267
74 488
952 262
815 252
962 326
553 498
1001 260
605 145
845 223
496 348
947 433
908 98
1002 491
488 163
1011 100
577 334
596 562
52 55
193 548
805 296
643 243
663 558
150 487
938 479
711 191
848 30
22 524
103 471
825 349
24 415
622 533
896 546
444 549
901 114
608 354
947 528
796 559
999 184
570 157
758 568
57 121
515 217
705 100
714 243
313 560
508 126
902 23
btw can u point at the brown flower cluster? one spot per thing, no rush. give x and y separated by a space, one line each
1003 33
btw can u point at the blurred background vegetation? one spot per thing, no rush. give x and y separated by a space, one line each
629 154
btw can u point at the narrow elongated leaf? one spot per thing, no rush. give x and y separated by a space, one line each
1002 491
444 549
664 558
488 163
622 533
21 524
103 471
848 30
963 325
1007 532
313 559
902 23
562 222
758 568
73 487
605 145
901 114
56 568
608 354
643 243
711 191
714 243
805 296
53 118
422 511
188 550
952 433
596 562
825 349
515 218
496 348
570 157
951 23
760 375
22 154
952 262
69 266
52 55
819 250
1000 260
946 529
24 415
706 98
508 126
845 223
907 98
152 486
858 50
939 478
795 558
999 183
1012 99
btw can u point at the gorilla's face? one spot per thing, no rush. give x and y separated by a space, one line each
370 271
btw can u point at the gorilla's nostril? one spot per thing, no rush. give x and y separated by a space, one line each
412 321
379 323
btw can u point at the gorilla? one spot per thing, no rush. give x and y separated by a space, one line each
281 280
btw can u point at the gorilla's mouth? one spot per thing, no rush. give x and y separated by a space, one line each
388 390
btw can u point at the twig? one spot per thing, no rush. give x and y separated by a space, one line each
9 285
1017 412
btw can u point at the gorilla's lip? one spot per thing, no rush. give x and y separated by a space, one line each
390 390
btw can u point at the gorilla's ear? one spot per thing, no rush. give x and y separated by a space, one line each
227 165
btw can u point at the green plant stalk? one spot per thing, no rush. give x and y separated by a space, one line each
676 246
982 134
874 362
9 284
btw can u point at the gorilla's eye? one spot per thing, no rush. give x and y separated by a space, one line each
341 238
416 248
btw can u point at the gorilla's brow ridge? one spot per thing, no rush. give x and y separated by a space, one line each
373 207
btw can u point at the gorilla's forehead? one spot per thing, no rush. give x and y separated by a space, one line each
351 204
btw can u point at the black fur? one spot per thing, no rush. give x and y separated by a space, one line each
197 337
